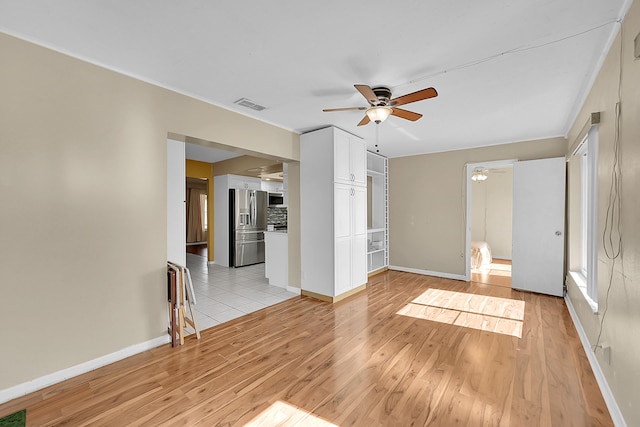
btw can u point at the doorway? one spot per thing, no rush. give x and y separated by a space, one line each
197 227
489 222
221 293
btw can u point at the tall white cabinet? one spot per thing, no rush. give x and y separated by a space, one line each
333 211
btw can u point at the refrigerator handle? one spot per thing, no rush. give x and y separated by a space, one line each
252 208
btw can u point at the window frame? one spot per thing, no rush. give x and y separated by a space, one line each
586 277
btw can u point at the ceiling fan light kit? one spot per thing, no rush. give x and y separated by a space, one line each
381 106
479 175
378 114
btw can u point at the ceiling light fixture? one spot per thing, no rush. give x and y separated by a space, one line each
479 175
378 114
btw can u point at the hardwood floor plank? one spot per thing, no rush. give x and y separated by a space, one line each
410 350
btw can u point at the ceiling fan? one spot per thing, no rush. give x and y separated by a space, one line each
382 106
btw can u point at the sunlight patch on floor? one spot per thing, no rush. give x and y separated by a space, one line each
501 273
285 414
493 268
481 312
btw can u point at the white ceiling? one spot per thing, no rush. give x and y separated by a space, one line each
207 154
505 70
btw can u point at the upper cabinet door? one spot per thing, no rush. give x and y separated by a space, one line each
349 159
358 160
245 182
341 156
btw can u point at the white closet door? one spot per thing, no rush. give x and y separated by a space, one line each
359 242
538 226
342 229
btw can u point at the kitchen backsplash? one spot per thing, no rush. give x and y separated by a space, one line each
276 216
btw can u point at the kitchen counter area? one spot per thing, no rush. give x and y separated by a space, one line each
277 257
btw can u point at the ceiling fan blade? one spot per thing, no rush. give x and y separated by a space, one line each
328 110
405 114
413 97
365 120
368 93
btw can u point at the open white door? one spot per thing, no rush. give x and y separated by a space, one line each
538 226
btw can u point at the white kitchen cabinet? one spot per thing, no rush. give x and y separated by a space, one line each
350 163
245 182
350 233
276 267
333 211
272 186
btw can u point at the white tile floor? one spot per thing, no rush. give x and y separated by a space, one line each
223 294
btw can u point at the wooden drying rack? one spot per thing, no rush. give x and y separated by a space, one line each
181 296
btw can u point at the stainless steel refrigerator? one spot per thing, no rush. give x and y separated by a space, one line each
247 223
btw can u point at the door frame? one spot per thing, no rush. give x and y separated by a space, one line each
493 164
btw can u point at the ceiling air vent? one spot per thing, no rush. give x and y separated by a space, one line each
249 104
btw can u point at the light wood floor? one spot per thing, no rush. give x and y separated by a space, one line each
357 362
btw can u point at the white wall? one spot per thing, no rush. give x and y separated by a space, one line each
176 214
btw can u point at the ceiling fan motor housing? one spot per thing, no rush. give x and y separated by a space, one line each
383 94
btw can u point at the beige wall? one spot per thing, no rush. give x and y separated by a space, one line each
620 327
83 217
427 198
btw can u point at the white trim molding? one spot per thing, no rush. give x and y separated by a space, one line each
64 374
293 290
428 273
609 399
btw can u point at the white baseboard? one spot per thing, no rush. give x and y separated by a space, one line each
428 273
294 290
64 374
612 405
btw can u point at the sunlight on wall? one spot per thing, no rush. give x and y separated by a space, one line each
482 312
285 414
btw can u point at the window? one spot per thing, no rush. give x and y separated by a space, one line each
583 243
584 209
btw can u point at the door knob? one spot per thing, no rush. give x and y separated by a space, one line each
558 233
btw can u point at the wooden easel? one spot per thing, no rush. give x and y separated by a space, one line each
184 297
